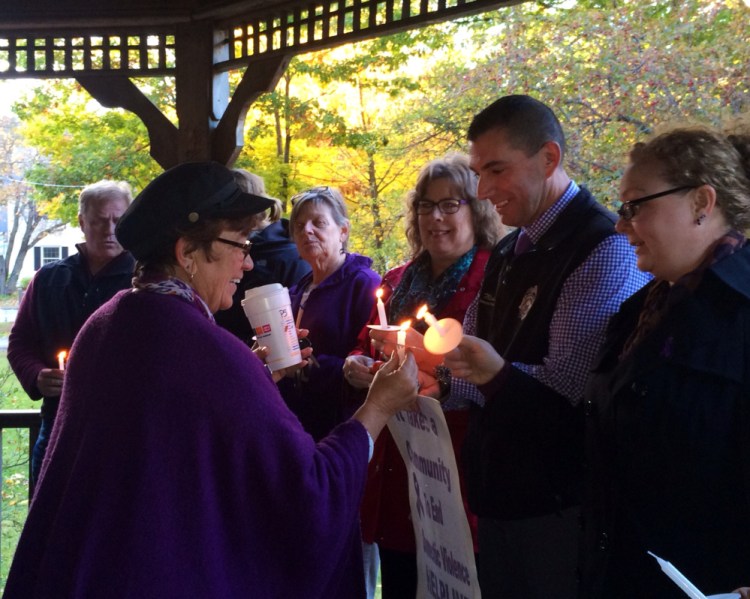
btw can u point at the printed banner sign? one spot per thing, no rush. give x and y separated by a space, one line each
445 555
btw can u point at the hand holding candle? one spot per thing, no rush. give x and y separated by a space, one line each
61 359
443 335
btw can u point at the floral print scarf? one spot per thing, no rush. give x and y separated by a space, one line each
173 286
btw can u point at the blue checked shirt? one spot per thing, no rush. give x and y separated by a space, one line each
591 294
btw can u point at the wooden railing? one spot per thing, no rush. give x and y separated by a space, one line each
17 419
29 419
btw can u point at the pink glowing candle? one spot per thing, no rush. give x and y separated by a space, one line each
430 320
61 359
381 309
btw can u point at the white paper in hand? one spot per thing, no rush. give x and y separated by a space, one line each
678 578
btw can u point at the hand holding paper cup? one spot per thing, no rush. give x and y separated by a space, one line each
269 311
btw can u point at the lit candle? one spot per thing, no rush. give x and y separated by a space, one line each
430 320
401 340
381 308
61 359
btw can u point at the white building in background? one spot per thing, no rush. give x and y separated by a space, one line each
55 246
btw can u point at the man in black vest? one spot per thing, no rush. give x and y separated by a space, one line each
548 292
62 295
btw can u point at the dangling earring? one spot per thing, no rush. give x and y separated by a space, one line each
700 219
189 273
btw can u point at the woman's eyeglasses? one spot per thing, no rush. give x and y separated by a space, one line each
245 247
447 206
629 209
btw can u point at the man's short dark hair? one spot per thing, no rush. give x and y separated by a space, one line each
528 123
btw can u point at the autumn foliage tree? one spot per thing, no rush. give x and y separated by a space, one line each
613 71
25 220
366 117
78 143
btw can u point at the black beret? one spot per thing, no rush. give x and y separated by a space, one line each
179 198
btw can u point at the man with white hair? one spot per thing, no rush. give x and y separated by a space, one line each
62 295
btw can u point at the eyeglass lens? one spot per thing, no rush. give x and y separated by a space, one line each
447 206
628 210
245 247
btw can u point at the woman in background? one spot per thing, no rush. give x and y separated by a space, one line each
274 254
332 302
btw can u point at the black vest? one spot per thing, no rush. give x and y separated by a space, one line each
523 452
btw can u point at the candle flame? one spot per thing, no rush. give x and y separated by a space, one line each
422 311
62 355
405 325
379 293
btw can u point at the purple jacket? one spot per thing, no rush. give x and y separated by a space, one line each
335 312
175 470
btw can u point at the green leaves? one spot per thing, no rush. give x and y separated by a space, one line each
80 143
366 117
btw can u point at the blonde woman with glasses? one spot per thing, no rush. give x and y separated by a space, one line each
668 403
450 233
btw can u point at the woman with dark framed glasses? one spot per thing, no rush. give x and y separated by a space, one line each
450 234
668 402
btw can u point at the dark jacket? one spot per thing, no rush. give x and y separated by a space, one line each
523 453
668 445
275 260
59 299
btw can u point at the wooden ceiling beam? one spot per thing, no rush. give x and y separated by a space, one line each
117 91
260 77
197 42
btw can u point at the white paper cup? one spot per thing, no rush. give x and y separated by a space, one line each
270 314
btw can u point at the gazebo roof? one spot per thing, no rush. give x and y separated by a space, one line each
76 14
103 43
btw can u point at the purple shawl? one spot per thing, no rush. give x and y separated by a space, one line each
175 470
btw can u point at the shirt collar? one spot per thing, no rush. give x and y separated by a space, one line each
539 227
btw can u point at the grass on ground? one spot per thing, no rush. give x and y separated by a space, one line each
15 467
